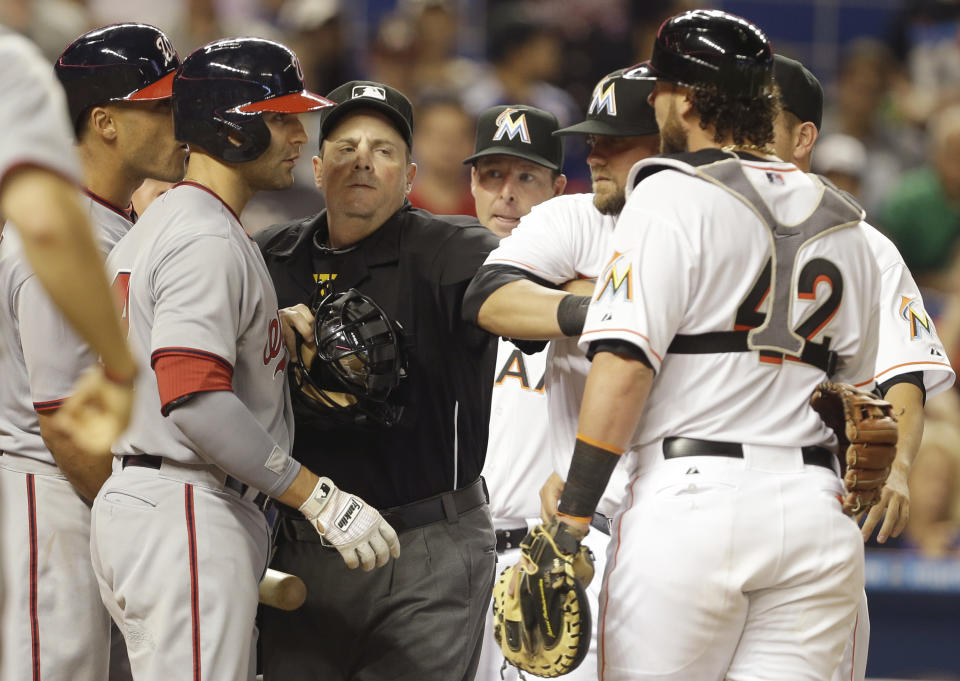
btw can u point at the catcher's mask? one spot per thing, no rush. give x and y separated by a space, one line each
360 360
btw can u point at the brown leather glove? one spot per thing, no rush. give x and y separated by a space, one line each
867 430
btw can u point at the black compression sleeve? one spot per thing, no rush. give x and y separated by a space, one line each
589 474
618 347
572 313
487 280
914 377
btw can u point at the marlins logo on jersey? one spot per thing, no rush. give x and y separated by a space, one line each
912 312
604 98
510 126
617 279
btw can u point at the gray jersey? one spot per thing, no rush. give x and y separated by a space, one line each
202 312
34 126
44 356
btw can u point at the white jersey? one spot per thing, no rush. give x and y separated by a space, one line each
516 464
34 125
908 338
198 292
673 271
45 356
561 239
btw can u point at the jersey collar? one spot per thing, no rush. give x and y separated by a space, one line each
130 214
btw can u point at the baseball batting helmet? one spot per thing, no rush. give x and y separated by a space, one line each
118 63
359 362
710 47
222 90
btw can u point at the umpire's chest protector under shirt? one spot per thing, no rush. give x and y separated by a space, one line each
416 266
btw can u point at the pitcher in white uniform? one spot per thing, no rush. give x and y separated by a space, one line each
120 105
560 243
179 541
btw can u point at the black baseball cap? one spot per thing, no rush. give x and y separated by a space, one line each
522 131
800 92
619 106
367 94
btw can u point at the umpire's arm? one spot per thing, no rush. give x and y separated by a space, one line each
514 303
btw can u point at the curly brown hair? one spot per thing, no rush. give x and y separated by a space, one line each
748 120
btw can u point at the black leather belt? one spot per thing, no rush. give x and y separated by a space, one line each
152 461
510 539
446 506
675 447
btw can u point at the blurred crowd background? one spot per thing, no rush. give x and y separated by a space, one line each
891 130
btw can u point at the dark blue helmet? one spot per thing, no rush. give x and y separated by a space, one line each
117 63
710 47
222 90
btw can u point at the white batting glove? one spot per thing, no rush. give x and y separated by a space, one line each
353 527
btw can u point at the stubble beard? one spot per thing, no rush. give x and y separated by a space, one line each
673 138
610 203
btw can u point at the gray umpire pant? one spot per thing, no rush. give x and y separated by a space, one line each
419 618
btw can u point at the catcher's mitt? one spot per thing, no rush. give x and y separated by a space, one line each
867 430
544 627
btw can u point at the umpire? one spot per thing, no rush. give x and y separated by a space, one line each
421 617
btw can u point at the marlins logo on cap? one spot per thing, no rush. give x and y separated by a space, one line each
604 98
510 126
369 91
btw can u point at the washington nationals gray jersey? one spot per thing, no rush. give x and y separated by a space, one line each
561 239
45 356
33 116
181 272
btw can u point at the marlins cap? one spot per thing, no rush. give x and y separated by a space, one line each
619 106
366 94
522 131
800 91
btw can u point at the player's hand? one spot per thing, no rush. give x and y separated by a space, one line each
550 497
893 507
96 413
353 527
294 321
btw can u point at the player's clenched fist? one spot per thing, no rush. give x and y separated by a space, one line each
353 527
97 412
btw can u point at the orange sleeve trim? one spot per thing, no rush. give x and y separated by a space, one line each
635 333
606 446
182 371
576 518
516 262
907 364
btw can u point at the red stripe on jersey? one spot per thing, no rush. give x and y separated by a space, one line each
194 578
127 213
37 165
34 621
48 406
190 183
181 372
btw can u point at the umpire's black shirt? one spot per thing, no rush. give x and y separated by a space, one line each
416 266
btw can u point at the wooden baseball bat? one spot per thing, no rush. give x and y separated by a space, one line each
282 591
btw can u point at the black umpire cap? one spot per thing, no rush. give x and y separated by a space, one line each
522 131
800 92
367 94
619 106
